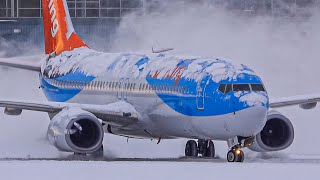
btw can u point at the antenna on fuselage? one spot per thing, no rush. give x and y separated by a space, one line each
162 50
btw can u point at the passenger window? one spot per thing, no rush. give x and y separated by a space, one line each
241 87
102 85
112 85
228 88
98 85
149 88
222 88
257 87
106 85
92 85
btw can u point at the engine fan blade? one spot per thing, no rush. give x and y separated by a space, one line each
76 128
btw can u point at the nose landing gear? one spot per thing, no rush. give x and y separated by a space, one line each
205 148
235 155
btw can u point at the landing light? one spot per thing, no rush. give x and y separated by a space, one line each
238 151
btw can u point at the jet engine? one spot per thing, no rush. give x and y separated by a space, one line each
277 134
76 130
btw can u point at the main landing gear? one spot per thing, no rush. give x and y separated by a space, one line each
205 148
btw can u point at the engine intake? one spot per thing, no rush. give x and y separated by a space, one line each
277 134
76 130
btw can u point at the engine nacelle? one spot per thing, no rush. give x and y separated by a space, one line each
76 130
277 134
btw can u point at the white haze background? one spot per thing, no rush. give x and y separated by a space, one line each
283 52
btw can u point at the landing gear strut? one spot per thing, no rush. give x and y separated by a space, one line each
204 147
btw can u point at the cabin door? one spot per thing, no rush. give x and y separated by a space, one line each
120 89
201 92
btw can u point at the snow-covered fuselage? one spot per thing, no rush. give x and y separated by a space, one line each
188 97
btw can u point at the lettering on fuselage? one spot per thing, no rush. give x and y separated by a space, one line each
175 74
54 21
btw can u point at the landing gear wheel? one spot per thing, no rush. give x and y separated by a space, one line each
241 159
191 149
202 147
235 155
210 150
231 156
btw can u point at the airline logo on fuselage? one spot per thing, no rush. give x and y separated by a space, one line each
175 74
54 21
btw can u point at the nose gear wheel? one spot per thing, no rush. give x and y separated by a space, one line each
235 155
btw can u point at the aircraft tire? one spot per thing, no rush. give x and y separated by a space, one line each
191 149
235 155
210 150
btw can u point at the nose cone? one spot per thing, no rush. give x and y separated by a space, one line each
252 118
250 121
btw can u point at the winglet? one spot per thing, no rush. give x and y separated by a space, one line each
59 32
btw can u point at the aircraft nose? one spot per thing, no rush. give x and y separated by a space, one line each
254 119
250 121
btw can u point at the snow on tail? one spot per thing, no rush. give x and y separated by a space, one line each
59 33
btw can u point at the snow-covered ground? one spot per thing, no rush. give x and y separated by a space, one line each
52 170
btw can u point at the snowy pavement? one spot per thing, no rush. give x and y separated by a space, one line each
52 170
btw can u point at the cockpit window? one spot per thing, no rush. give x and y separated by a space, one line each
222 88
228 88
257 87
241 87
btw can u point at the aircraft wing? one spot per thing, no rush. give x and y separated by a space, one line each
120 113
31 63
305 101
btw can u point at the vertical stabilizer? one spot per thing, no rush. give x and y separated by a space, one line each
59 33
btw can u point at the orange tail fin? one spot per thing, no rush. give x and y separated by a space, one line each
59 33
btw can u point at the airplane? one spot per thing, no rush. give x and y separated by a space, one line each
155 96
